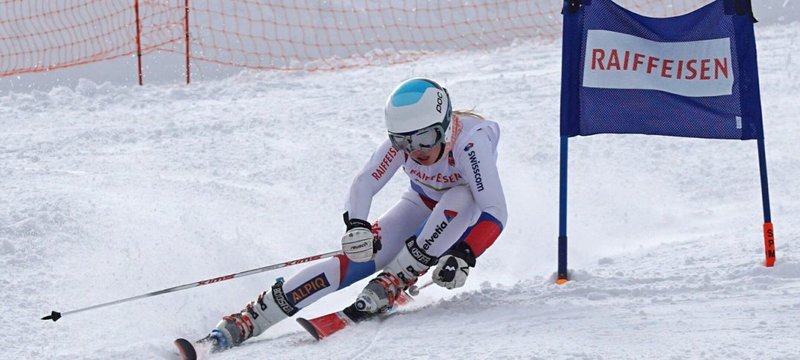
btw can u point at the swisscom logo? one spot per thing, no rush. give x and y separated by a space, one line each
475 165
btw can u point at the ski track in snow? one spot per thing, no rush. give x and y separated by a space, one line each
112 191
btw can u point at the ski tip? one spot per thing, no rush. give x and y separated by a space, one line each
185 349
309 327
54 315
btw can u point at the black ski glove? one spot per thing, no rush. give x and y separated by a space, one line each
453 268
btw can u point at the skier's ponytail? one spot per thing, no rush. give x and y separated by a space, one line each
469 112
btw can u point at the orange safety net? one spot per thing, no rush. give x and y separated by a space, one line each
42 35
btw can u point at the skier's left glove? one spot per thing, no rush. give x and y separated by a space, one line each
359 243
453 268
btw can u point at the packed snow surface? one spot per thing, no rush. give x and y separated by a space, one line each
111 191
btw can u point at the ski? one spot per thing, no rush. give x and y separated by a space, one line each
326 325
319 327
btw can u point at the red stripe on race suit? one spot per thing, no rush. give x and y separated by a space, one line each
482 236
343 260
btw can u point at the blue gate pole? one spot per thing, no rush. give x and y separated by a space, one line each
563 276
769 235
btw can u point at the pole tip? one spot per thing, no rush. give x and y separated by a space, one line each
562 278
55 315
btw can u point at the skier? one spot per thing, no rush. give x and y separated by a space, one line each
454 210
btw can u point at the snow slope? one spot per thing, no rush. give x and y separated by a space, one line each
111 191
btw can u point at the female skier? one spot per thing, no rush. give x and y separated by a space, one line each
453 211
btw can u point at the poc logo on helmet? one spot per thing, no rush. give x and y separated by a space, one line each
439 102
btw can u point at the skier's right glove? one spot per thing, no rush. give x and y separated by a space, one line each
358 243
453 268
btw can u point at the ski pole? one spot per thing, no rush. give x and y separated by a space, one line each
55 315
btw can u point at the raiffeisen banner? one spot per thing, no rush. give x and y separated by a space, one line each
689 68
693 75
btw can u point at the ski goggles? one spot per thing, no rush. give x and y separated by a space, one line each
424 139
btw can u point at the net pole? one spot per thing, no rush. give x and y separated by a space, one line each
138 41
186 32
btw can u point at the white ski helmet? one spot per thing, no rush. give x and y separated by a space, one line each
418 115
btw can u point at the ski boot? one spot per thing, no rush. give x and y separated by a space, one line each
215 340
379 296
257 316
